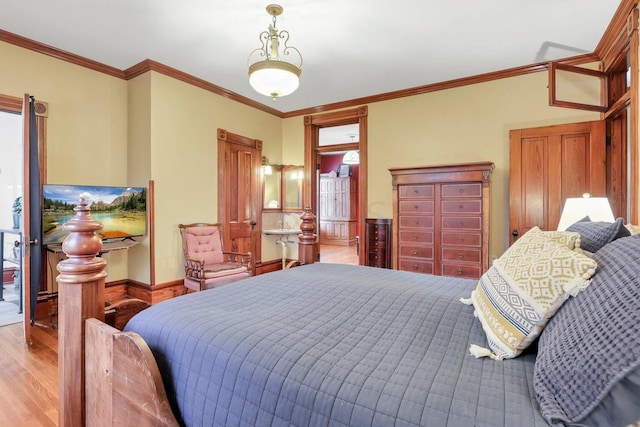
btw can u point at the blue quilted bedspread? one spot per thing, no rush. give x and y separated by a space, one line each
338 345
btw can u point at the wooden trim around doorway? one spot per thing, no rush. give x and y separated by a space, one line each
312 150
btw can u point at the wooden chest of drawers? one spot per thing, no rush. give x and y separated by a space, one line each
378 242
441 219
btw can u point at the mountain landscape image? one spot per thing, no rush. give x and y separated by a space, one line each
121 210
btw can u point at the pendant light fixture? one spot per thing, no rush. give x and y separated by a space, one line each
274 72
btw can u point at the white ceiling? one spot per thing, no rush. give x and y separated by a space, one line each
351 48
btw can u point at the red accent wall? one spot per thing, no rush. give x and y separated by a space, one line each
329 162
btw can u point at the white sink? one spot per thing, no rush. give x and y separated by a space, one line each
281 231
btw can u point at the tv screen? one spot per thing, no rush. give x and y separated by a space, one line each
121 210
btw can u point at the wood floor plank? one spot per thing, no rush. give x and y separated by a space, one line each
29 380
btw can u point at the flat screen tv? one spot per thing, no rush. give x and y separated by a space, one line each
121 210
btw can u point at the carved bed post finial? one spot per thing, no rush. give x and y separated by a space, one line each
308 240
80 297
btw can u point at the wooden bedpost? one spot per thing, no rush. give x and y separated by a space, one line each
80 297
308 240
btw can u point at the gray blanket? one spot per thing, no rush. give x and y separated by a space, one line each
336 345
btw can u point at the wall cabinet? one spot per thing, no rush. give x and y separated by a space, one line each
337 211
378 242
441 219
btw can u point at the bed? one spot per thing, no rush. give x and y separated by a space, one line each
343 345
334 344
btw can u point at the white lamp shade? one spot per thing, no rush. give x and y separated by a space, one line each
351 158
274 78
575 209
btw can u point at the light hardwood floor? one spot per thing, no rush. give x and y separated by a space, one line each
338 254
28 377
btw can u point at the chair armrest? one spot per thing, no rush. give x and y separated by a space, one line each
194 268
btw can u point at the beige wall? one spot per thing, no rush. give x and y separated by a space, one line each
139 164
87 123
464 124
184 160
107 131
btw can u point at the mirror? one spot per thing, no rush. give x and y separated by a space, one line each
272 195
292 178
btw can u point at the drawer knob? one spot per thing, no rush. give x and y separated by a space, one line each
417 222
460 255
415 207
415 191
461 190
415 237
415 252
415 266
460 239
461 223
461 206
460 271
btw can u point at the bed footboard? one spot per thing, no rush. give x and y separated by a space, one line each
123 383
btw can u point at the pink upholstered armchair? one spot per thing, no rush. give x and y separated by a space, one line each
206 264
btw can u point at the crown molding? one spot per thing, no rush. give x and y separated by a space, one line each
53 52
450 84
150 65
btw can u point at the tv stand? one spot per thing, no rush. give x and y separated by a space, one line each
107 246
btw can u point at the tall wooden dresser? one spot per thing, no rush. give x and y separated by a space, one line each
337 210
441 219
378 242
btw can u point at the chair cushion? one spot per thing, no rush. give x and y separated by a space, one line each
204 244
223 269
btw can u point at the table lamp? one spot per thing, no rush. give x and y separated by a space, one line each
576 208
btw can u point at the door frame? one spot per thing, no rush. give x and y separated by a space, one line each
312 152
11 104
225 139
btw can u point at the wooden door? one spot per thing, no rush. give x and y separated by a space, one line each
549 164
239 195
26 225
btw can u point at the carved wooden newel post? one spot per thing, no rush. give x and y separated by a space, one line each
80 297
308 240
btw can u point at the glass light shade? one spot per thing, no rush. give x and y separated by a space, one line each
274 78
268 170
351 158
596 208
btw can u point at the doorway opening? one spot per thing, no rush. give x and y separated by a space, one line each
334 189
337 207
11 173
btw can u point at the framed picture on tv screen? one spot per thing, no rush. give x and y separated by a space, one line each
121 210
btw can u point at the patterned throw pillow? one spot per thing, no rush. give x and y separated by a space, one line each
594 235
566 238
517 296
